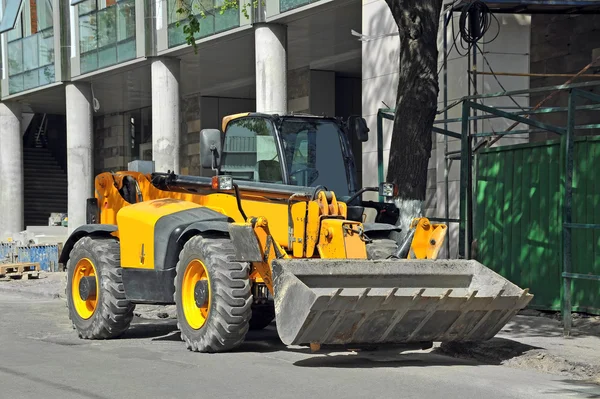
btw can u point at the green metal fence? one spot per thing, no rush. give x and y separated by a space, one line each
533 208
519 214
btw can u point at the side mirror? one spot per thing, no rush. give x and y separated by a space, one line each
358 126
210 148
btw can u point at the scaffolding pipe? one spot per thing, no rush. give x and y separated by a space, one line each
539 75
447 18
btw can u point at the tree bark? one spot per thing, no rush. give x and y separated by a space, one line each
416 104
416 101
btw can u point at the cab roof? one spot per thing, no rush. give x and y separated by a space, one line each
232 117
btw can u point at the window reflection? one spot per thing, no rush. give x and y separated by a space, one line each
31 47
314 154
250 151
209 16
106 33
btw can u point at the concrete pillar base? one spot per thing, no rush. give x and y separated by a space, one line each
80 146
165 114
11 170
270 41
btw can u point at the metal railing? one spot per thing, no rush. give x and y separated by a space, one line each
468 152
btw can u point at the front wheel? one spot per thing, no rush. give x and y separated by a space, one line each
212 295
96 299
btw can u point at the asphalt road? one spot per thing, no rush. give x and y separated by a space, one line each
41 357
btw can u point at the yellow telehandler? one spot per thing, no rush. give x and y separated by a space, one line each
277 233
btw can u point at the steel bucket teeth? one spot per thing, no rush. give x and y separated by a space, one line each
330 301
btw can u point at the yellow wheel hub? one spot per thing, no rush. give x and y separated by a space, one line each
195 294
83 271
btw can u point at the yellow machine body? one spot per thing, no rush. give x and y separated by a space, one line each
338 238
302 252
137 226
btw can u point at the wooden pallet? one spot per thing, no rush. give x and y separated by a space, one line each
20 270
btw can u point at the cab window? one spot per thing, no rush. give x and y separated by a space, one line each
250 151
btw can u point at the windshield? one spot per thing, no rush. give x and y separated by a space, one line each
250 151
312 149
313 152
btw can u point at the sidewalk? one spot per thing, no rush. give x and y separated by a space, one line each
534 340
48 285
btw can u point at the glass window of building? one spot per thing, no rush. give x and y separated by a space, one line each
106 33
287 5
31 47
208 13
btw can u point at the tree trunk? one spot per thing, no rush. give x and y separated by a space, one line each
416 103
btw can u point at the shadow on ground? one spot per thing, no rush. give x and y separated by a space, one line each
160 330
497 351
382 359
268 341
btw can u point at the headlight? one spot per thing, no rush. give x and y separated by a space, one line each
222 183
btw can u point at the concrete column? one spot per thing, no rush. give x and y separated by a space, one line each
165 114
11 170
270 41
80 149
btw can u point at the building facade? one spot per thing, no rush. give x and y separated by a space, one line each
89 86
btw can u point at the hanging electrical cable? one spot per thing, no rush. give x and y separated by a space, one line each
474 22
479 19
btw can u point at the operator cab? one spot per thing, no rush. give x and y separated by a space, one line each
293 150
297 150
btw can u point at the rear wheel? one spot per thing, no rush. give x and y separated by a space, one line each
212 295
96 299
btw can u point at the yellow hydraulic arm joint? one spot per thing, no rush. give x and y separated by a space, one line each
427 240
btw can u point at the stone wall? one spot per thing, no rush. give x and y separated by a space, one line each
111 152
563 44
314 91
298 87
190 137
204 113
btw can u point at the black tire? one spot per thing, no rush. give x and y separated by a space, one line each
113 312
381 248
230 309
262 316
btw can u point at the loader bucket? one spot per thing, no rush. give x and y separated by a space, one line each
329 301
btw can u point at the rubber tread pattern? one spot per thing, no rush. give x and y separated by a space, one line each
231 299
114 312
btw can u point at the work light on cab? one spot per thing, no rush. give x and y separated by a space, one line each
222 183
388 190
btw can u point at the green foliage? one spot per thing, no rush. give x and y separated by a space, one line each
191 13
